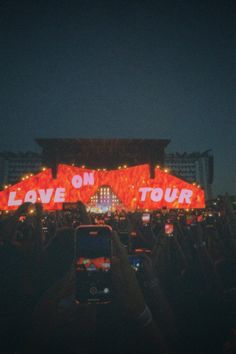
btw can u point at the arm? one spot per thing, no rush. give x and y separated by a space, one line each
131 298
206 263
10 224
38 230
157 300
230 216
85 217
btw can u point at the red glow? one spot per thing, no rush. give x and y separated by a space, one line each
100 263
132 186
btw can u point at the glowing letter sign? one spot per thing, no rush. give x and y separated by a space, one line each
169 195
132 186
88 179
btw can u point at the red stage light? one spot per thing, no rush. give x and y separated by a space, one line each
132 186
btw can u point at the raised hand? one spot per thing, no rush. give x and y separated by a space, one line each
125 282
84 216
23 209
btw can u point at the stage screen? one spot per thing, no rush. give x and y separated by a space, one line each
132 187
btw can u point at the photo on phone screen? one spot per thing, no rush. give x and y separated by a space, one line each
169 229
200 218
146 218
93 264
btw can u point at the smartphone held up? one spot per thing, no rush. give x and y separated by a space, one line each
146 218
169 230
93 264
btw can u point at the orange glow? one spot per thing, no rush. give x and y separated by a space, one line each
132 186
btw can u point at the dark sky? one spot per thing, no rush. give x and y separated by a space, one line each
142 69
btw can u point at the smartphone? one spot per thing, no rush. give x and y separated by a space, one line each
93 253
136 262
70 206
142 250
146 218
200 218
122 218
169 230
124 238
189 220
133 234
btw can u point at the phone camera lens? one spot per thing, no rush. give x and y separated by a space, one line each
93 290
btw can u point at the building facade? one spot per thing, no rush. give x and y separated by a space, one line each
14 165
194 167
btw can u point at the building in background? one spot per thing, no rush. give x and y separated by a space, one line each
15 165
195 167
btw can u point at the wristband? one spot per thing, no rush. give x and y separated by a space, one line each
145 318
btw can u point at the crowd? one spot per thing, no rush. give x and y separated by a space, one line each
181 299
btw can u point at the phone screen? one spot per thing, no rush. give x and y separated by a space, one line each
146 218
169 229
200 218
93 264
124 238
189 219
136 262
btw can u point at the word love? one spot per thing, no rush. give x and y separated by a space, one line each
45 196
169 195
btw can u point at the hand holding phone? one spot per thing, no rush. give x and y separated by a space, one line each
93 264
23 209
22 218
146 218
123 276
169 230
136 262
84 216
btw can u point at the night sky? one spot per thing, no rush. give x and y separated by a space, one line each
135 69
